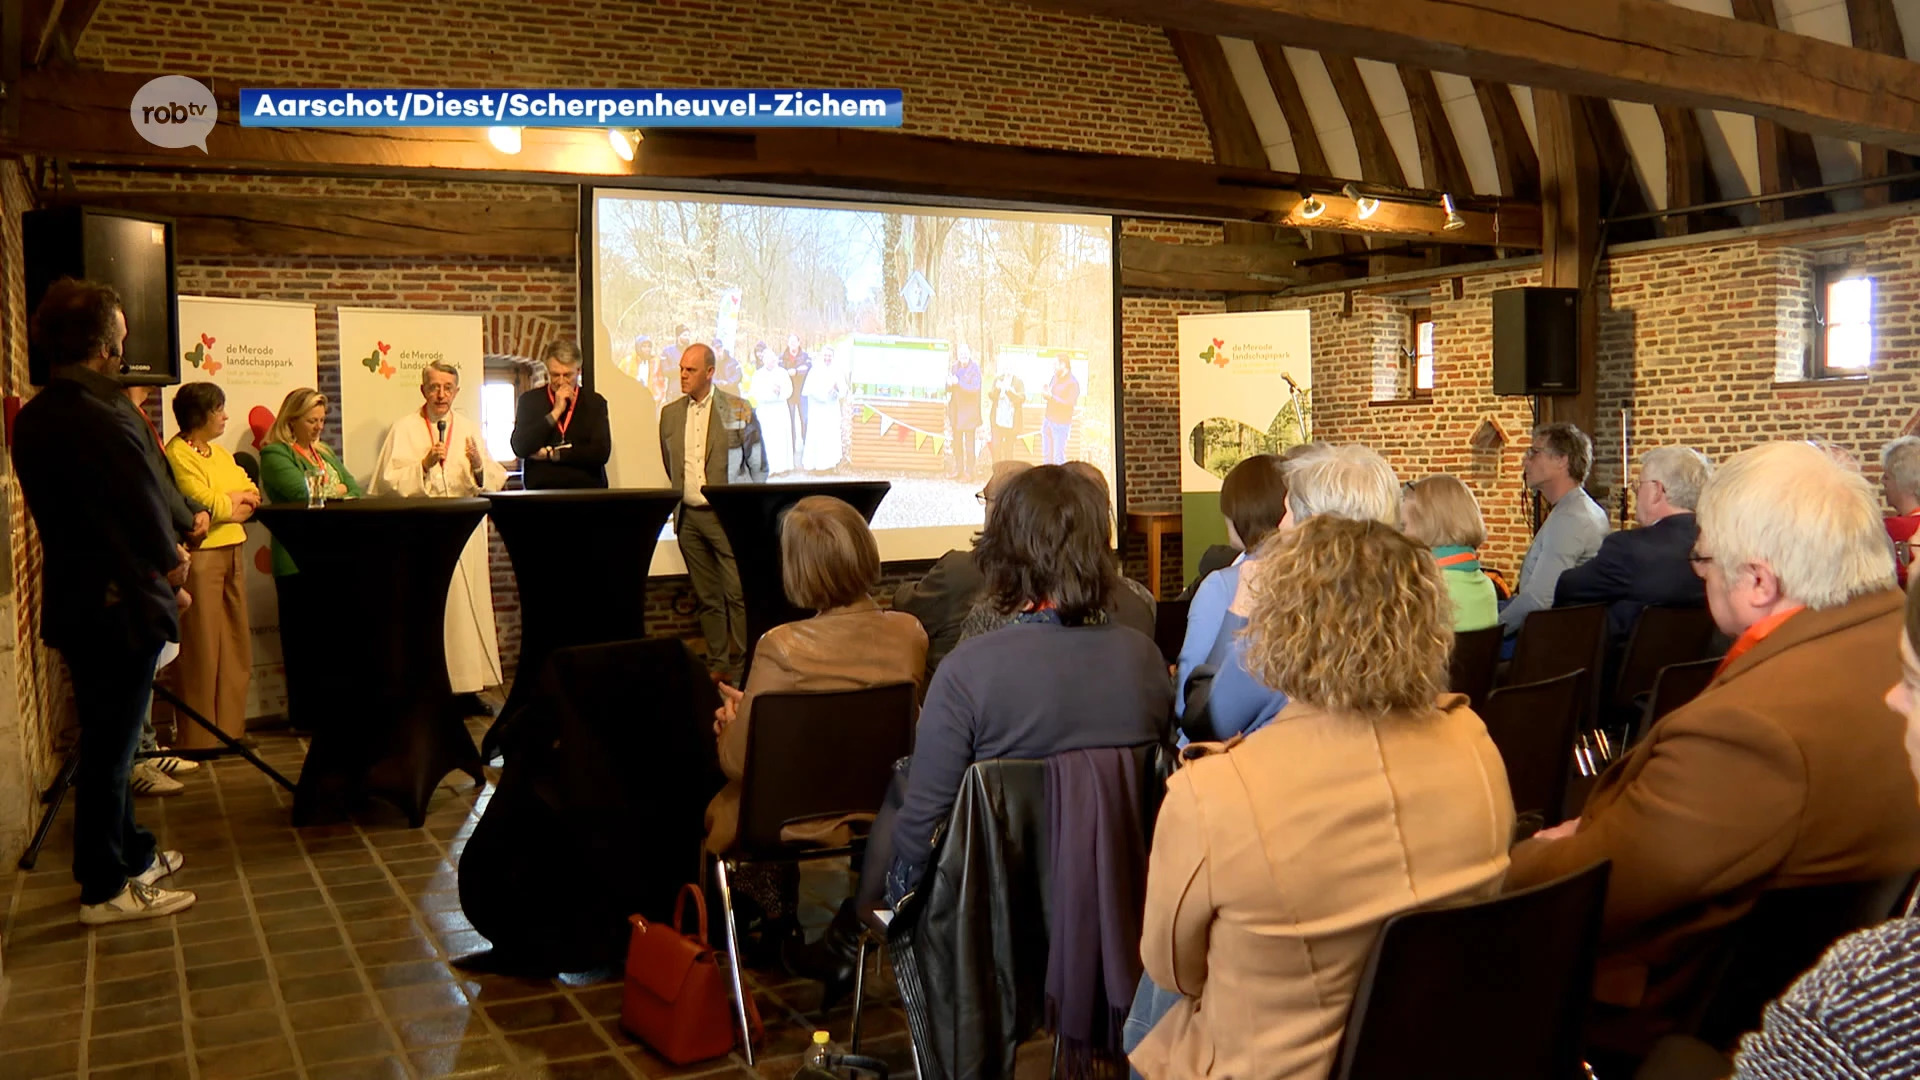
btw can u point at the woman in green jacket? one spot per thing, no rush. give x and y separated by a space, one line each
1441 513
290 453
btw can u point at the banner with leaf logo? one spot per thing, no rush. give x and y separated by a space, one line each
382 351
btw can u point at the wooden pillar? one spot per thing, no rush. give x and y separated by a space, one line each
1570 213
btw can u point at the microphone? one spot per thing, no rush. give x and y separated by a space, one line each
442 425
1294 385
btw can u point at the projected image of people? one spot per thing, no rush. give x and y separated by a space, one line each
909 344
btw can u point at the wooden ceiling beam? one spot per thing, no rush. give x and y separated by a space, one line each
1621 190
1224 268
1687 173
1223 107
1787 157
1513 153
1571 197
1440 156
1293 106
1636 50
82 119
1876 29
1378 162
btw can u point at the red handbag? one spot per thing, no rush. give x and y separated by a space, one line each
677 997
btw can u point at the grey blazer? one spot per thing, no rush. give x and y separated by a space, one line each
734 453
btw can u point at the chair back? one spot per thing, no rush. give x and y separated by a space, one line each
1781 938
1534 725
1676 685
1470 669
819 754
1662 636
1554 641
1170 627
1496 988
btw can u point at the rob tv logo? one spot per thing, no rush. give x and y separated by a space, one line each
175 111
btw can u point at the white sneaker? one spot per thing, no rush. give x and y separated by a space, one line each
174 766
148 780
136 901
163 864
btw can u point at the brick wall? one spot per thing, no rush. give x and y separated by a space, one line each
971 69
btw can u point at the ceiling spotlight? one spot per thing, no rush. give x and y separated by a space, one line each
1310 207
504 139
1365 204
1454 221
624 142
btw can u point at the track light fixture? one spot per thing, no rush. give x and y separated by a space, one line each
625 142
504 139
1366 205
1310 207
1454 221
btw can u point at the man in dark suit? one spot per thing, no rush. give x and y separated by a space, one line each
560 430
1650 564
945 595
112 567
726 430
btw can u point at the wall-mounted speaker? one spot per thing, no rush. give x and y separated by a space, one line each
131 252
1536 341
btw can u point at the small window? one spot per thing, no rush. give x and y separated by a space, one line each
1420 336
1842 323
497 402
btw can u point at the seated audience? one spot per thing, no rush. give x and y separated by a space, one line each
945 595
1900 483
216 639
1278 857
1349 482
1647 565
1441 513
1835 1020
1132 604
828 561
1780 774
1022 690
1556 467
1253 499
291 458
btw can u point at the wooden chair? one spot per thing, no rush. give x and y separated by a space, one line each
1676 685
1662 636
1535 726
1476 655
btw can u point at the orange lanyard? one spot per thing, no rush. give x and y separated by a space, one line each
1755 634
1455 560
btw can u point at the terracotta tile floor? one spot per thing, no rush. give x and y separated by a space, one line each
328 952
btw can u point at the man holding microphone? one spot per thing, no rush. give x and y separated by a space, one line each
439 453
560 430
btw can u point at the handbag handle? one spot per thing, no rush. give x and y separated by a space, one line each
699 906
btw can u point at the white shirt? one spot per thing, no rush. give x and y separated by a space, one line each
693 471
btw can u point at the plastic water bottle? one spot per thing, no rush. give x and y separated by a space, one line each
817 1055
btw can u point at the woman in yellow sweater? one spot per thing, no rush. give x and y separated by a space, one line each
216 649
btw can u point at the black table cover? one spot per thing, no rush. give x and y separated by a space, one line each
580 558
750 516
388 724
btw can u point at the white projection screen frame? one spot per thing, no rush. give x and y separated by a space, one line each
894 308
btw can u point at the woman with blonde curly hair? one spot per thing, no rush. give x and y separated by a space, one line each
1278 857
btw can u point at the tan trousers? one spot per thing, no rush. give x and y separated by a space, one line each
216 649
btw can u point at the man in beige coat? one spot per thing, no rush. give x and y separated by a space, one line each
1788 770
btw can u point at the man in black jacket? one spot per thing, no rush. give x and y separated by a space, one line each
111 568
560 431
1651 564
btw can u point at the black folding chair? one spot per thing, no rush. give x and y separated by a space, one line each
1555 641
1170 627
1676 685
1662 636
1535 726
819 754
1496 988
1476 653
1781 938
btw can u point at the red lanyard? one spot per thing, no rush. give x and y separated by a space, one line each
157 441
572 403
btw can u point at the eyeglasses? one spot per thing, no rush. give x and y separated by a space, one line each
1698 559
981 497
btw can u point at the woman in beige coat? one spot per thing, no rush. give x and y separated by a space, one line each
828 561
1278 856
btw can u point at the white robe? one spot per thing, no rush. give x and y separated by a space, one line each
771 387
473 653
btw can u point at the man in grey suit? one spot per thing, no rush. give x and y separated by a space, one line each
724 426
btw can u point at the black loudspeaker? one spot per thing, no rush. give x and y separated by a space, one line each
131 252
1536 341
